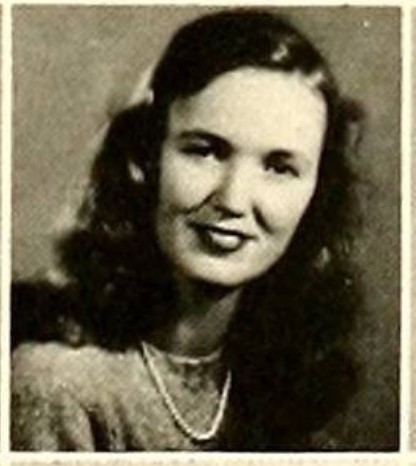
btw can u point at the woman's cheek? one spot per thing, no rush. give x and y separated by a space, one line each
186 183
285 206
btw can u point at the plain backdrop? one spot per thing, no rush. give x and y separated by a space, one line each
75 66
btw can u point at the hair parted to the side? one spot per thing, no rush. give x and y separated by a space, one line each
287 344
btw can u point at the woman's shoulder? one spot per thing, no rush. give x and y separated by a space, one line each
56 356
48 368
60 394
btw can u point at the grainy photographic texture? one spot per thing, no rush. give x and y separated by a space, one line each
264 143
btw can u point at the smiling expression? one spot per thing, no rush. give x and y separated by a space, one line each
239 166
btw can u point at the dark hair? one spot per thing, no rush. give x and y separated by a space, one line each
287 345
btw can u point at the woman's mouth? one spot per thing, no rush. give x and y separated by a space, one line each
221 240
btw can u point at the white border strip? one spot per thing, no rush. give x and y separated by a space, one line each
233 3
179 458
207 458
406 199
6 186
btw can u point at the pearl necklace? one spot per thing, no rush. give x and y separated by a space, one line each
177 417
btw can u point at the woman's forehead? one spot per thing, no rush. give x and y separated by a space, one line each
255 106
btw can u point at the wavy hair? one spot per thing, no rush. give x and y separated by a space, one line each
287 345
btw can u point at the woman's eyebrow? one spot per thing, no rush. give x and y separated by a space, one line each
204 135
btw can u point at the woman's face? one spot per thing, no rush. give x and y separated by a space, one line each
238 168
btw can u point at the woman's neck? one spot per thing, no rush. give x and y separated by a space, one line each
202 316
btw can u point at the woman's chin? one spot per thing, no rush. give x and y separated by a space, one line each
220 276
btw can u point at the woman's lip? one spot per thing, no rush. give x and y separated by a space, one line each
219 239
220 230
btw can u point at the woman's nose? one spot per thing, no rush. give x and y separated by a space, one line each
234 191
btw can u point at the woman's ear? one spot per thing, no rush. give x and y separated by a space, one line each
136 173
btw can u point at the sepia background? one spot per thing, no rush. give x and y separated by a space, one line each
76 66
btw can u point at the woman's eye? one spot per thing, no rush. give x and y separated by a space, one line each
200 151
281 167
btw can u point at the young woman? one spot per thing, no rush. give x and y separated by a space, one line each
204 295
